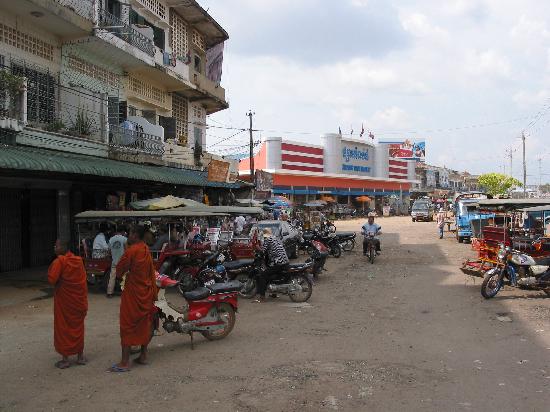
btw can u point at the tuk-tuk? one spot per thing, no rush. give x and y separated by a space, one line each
465 211
98 263
507 226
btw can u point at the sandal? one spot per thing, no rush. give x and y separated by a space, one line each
82 361
116 368
62 364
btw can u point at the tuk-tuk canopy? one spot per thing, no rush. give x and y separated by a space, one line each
508 205
95 215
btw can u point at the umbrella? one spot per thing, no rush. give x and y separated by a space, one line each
329 199
159 203
363 199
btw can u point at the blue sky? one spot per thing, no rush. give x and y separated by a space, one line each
465 75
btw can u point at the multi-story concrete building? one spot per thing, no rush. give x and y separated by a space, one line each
101 102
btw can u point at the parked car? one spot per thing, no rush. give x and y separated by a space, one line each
284 231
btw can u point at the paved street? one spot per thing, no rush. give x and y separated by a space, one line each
410 332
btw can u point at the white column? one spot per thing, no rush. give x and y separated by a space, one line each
273 147
332 145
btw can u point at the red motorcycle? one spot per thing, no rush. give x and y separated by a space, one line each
207 310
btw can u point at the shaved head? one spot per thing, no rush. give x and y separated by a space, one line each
61 246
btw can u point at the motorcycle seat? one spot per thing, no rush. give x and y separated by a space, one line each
296 267
543 261
197 294
227 287
350 235
235 264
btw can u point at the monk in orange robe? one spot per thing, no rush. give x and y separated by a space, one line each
70 304
137 301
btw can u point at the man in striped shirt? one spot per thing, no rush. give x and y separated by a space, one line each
276 260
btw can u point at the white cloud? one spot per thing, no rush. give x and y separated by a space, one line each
419 25
488 64
390 118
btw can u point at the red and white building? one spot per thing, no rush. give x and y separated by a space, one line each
341 168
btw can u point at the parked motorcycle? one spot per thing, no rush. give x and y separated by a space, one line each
520 270
208 311
330 240
200 274
346 240
294 282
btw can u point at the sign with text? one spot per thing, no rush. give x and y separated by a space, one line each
218 171
356 159
407 150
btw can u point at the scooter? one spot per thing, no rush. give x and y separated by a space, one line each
369 246
294 281
209 311
520 269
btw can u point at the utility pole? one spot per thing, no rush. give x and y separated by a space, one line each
250 114
540 172
524 167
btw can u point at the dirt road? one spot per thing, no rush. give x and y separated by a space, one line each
410 332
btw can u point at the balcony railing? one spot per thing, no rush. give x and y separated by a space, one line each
125 32
207 85
126 139
84 8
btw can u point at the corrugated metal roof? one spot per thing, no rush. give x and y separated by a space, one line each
42 160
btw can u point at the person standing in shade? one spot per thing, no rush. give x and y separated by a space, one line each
70 304
117 245
239 225
276 260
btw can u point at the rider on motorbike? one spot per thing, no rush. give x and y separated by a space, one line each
371 228
276 259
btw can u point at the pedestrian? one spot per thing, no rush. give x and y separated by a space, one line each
276 214
117 245
137 301
100 247
441 222
70 304
239 225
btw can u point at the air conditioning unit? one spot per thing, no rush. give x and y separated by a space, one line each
145 30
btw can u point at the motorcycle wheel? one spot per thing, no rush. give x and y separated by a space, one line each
227 315
336 250
348 245
307 288
248 291
311 251
372 255
491 285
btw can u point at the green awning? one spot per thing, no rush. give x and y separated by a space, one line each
42 160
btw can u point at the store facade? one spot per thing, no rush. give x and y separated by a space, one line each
340 169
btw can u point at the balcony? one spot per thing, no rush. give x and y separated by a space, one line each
131 140
206 85
120 29
84 8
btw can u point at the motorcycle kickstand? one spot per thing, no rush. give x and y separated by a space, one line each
192 341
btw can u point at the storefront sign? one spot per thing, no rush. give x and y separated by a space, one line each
407 150
218 171
356 159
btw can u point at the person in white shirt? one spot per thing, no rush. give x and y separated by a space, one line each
239 224
100 247
117 245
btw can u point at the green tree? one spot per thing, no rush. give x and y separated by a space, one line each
497 183
545 188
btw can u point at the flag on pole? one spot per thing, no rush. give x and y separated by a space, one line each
339 131
371 135
351 130
362 130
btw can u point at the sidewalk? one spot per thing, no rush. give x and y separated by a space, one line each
23 286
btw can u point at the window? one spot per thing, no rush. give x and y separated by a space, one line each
156 7
113 7
158 33
198 64
132 111
179 111
41 93
198 40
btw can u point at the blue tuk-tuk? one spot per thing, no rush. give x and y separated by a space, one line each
466 211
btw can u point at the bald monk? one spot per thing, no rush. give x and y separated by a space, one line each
138 296
70 304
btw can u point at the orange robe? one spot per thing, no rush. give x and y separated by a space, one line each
138 296
70 303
